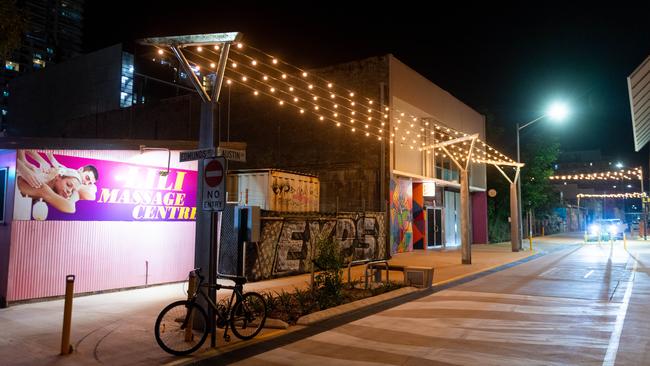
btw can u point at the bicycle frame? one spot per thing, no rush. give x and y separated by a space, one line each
237 290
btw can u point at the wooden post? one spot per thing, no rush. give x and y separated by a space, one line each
191 290
514 219
66 347
464 217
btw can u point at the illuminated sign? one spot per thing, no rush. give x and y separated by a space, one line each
62 187
429 189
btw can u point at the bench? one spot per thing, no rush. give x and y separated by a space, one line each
416 276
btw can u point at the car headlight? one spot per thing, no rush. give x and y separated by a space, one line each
612 229
594 229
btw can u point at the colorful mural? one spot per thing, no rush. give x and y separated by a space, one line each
418 216
401 215
287 245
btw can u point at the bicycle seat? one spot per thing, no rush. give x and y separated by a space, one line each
239 280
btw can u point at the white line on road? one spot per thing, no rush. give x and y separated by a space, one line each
612 349
589 273
548 271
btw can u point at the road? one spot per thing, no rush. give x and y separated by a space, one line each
582 305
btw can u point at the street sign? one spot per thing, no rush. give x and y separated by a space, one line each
232 154
214 184
196 154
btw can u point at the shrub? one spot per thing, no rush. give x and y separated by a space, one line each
329 281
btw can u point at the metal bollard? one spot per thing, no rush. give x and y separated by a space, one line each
191 289
66 347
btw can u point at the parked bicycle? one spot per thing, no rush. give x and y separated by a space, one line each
182 327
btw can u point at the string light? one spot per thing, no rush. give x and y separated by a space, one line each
613 195
624 174
312 88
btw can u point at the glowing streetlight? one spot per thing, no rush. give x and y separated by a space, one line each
557 111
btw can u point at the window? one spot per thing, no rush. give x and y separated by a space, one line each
13 66
38 64
126 87
3 193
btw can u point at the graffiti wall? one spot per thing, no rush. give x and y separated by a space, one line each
401 215
287 245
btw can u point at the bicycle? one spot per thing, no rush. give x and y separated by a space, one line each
182 326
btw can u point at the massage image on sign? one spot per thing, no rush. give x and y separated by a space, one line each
44 179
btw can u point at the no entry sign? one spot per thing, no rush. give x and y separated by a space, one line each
214 184
213 173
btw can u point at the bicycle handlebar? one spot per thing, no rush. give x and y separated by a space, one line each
239 280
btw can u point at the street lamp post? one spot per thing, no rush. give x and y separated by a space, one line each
557 111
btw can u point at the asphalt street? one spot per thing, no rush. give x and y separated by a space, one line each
579 304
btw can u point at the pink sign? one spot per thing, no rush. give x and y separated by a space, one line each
63 187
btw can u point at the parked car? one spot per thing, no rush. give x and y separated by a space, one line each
606 229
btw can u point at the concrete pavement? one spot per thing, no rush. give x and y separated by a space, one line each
581 305
117 328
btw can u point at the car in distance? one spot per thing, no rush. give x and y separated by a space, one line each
606 229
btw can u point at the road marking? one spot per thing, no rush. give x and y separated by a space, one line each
547 272
589 273
612 349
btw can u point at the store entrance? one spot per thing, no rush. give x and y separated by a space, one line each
434 227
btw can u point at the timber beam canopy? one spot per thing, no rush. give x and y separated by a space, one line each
207 62
462 151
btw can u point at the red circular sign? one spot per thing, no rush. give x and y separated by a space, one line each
213 173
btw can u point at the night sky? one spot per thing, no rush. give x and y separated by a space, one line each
505 62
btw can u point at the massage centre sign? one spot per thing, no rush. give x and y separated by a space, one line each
63 187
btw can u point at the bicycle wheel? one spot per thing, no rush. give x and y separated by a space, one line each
247 317
170 334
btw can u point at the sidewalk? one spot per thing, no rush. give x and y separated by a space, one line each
117 328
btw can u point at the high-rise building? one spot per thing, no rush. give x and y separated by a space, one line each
53 34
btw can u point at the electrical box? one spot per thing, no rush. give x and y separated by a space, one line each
421 277
252 218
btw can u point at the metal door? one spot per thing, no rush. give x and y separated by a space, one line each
434 227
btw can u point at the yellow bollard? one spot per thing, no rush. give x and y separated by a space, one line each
530 239
191 290
624 241
542 230
66 347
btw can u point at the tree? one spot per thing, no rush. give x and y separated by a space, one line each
499 205
12 26
536 190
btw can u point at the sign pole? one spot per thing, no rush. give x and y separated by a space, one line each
213 193
204 240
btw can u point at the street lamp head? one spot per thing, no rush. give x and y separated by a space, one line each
558 111
619 165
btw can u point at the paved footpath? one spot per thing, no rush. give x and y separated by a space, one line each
583 305
117 328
